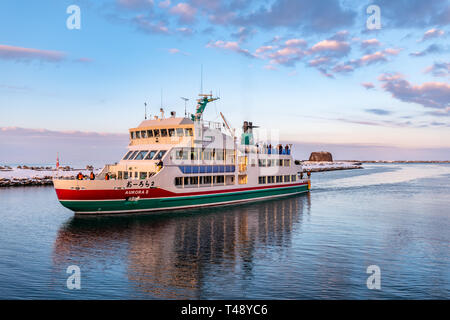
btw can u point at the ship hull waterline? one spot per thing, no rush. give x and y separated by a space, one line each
173 203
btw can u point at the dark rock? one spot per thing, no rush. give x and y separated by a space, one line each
321 156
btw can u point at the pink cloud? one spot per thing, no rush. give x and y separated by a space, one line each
368 85
230 45
331 46
26 54
429 94
185 11
295 42
432 33
370 43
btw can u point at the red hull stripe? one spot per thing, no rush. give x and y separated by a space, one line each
111 194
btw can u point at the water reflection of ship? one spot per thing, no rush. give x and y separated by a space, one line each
169 257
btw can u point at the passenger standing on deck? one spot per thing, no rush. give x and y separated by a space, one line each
79 176
92 176
107 176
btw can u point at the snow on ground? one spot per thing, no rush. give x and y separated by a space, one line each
16 173
327 166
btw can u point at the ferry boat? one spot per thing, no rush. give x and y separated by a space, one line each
186 162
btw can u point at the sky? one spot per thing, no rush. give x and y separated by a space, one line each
315 71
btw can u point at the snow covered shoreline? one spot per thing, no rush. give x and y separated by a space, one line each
318 166
36 176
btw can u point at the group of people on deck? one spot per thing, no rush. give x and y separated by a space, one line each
279 149
80 176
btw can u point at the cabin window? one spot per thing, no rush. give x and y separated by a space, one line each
133 155
163 132
207 180
125 175
271 179
180 132
138 134
143 134
149 133
141 155
193 180
279 179
128 155
287 162
208 154
171 132
262 162
119 175
219 179
194 154
160 155
186 181
293 178
178 181
156 133
287 178
219 154
135 174
142 175
151 154
229 155
261 180
280 162
132 134
188 132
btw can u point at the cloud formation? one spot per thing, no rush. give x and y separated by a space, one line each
429 94
27 54
230 45
439 69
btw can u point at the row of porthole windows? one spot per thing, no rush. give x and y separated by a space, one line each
156 133
277 179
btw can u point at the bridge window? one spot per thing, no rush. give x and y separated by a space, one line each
132 134
163 132
138 134
149 133
156 133
180 132
188 132
143 134
171 132
141 155
151 154
133 155
128 155
160 155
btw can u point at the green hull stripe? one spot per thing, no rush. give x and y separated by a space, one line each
174 202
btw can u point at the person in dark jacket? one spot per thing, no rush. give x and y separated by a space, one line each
92 176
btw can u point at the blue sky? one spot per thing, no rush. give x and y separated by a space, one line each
310 69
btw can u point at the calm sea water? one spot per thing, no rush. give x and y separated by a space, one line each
309 246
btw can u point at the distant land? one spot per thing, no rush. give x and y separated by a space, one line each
396 161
